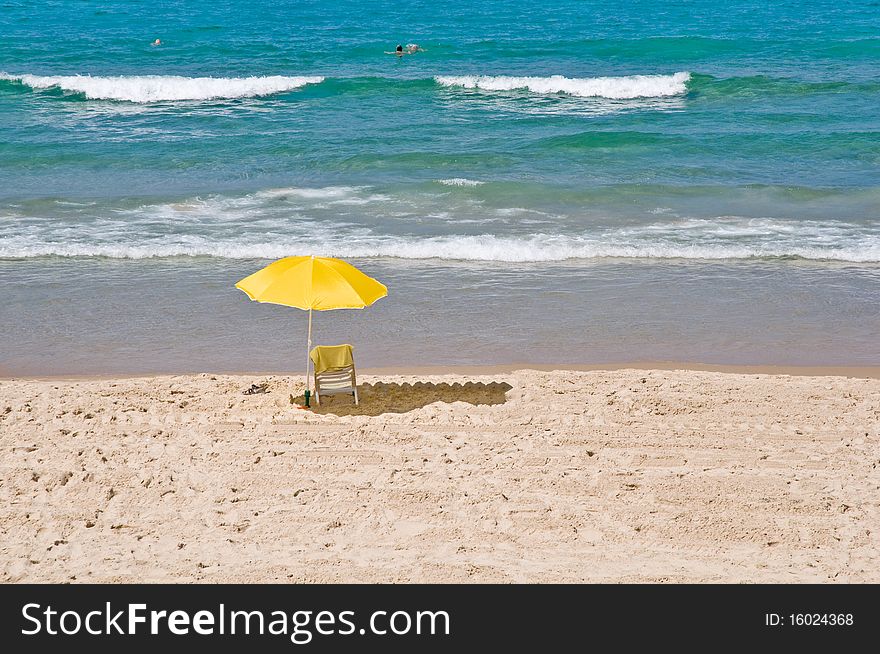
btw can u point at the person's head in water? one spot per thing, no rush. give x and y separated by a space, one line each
399 48
156 42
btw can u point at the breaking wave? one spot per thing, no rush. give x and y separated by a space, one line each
164 88
614 88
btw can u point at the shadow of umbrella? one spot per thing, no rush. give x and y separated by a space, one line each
386 397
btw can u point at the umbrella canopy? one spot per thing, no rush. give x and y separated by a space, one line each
312 284
318 283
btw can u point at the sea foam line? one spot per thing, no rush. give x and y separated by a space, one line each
614 88
460 181
486 248
159 88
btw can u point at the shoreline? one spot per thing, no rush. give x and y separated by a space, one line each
857 372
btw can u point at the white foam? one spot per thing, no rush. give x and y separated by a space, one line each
615 88
157 88
534 248
460 181
326 192
259 226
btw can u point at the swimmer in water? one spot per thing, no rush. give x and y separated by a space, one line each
411 48
156 42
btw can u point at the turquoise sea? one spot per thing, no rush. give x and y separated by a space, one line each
554 182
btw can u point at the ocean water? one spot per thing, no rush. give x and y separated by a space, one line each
555 182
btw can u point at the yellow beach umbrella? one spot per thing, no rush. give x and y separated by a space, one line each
312 284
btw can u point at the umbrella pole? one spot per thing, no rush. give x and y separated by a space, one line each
308 358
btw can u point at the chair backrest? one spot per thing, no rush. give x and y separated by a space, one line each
334 370
328 357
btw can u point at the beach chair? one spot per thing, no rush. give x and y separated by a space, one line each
334 371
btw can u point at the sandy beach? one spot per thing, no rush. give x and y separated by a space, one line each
515 476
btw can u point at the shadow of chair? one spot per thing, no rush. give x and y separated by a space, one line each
386 397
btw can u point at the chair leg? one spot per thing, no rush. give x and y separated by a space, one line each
356 396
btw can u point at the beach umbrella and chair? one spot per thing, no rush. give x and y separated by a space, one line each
318 284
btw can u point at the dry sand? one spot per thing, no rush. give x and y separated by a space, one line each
523 476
